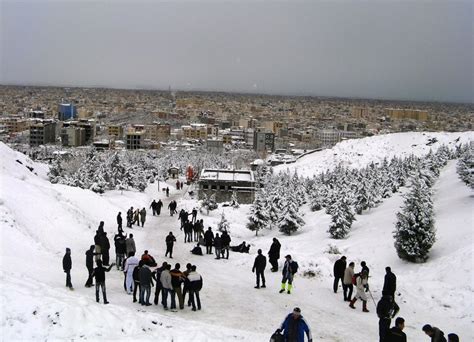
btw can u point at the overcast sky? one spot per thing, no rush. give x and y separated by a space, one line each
420 50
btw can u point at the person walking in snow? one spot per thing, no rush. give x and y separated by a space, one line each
347 282
159 204
259 267
153 207
386 310
361 283
143 216
167 290
434 333
130 245
209 239
67 266
120 249
195 286
396 334
188 231
136 217
294 327
274 254
97 239
129 217
171 207
130 265
167 192
339 268
194 213
159 285
289 269
119 220
183 218
225 237
218 246
177 185
99 275
170 240
105 248
90 265
389 283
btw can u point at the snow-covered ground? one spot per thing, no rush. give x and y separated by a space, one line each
39 220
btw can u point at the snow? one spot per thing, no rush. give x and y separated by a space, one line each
39 220
227 175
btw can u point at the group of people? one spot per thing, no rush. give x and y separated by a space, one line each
136 216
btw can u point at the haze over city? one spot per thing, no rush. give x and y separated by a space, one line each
370 49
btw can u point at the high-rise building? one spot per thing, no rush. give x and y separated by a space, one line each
42 132
67 111
263 140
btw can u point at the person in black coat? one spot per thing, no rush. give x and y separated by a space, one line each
386 310
90 264
99 275
209 239
389 283
274 254
146 282
159 286
225 237
67 266
259 267
170 240
119 220
153 207
339 268
396 334
120 249
105 247
195 285
159 204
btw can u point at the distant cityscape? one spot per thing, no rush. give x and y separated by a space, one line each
145 119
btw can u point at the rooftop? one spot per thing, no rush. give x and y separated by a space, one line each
227 175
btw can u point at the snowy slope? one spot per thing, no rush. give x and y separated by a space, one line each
357 153
38 220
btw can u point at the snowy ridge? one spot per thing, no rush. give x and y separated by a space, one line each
39 219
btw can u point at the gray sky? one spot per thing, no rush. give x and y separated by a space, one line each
420 50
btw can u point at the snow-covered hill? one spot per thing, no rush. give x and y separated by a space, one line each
38 220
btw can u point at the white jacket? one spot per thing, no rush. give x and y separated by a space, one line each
165 279
130 264
360 286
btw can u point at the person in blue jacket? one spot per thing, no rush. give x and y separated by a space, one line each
294 327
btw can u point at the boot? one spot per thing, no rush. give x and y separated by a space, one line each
289 288
282 288
351 305
364 306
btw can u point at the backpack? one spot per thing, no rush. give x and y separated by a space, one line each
277 337
294 267
354 278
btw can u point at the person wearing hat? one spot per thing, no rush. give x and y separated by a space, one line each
294 327
67 266
289 270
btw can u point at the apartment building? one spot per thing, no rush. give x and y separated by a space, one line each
263 140
134 139
42 132
73 136
158 131
414 114
115 130
194 131
14 124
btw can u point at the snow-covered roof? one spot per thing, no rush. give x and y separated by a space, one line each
227 175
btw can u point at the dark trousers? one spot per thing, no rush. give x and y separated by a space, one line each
104 294
218 252
336 283
384 327
68 278
158 288
274 263
119 258
105 257
260 274
169 249
177 291
347 297
225 250
89 279
119 225
145 291
208 249
194 298
164 298
135 287
154 211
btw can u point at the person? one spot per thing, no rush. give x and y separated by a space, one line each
188 231
274 254
396 334
153 207
225 238
129 217
99 275
339 268
389 283
136 281
119 220
143 216
130 265
363 264
347 282
159 204
120 249
259 267
157 277
167 289
197 250
289 269
217 246
100 229
183 218
136 217
105 247
97 238
242 248
170 240
67 266
435 333
209 238
186 283
386 310
146 282
361 283
177 278
194 213
168 193
453 337
177 184
90 265
196 230
294 327
195 285
171 207
130 245
148 259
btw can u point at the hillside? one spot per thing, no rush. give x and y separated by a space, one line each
38 220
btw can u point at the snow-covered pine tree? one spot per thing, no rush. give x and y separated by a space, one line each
223 224
290 220
415 232
259 215
363 199
234 200
56 171
465 166
342 217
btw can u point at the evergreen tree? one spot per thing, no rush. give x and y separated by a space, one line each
465 166
415 232
259 216
363 198
223 224
342 217
290 220
235 200
56 171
